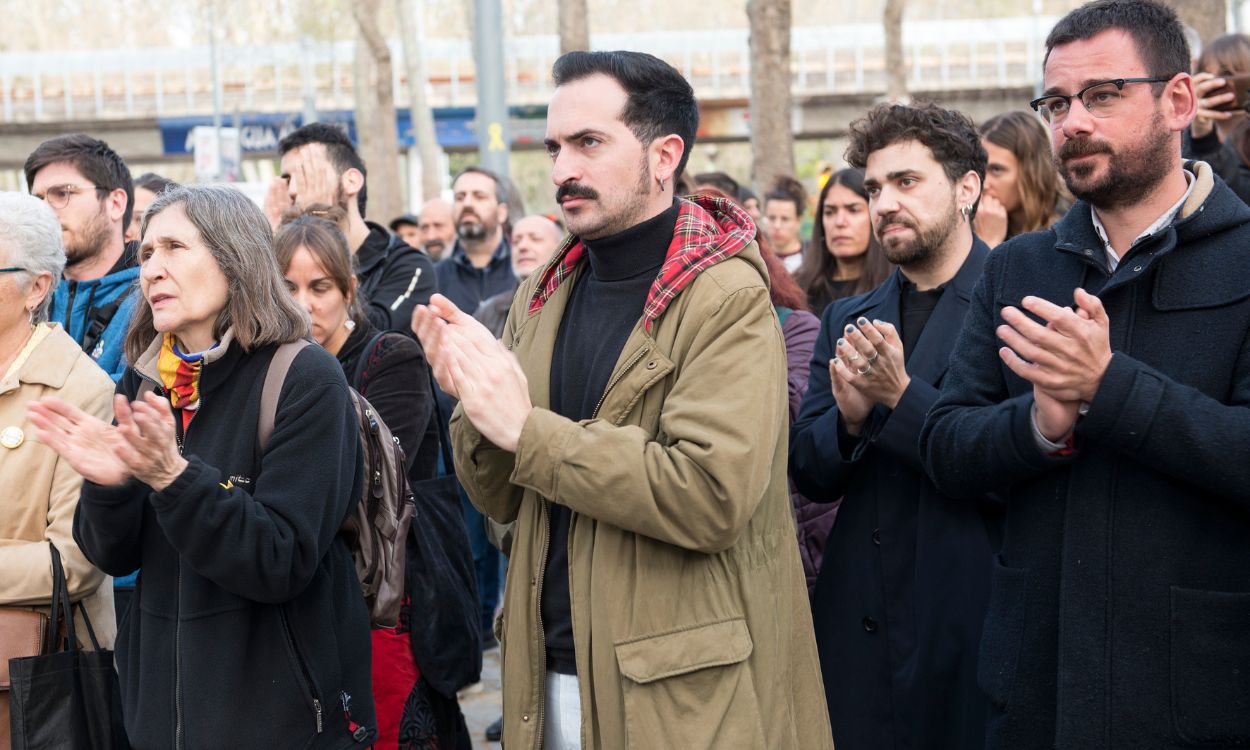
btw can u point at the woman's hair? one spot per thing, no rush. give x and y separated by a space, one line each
319 232
1040 190
30 238
259 309
1230 55
782 289
815 274
788 189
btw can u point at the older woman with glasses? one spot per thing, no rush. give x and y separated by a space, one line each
37 359
248 627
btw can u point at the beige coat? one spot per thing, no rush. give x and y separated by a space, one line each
40 490
689 607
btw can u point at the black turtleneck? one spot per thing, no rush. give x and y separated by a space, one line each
604 306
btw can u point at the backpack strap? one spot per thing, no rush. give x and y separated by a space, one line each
275 376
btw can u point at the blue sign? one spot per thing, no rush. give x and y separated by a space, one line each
259 132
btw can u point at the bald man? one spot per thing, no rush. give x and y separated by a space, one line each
435 230
534 240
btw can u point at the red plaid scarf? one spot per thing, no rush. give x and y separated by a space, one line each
708 231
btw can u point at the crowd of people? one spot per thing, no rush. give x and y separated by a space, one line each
960 467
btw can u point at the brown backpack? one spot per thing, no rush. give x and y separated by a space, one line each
377 528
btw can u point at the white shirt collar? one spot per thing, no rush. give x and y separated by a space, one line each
1166 219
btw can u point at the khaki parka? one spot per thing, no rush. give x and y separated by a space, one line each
40 490
689 608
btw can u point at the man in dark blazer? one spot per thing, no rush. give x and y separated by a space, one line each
902 590
1100 387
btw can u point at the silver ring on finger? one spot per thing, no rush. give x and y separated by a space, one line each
854 357
873 357
864 370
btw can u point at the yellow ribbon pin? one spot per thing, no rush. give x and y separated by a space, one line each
496 137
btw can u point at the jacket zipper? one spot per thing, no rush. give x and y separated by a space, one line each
617 378
542 636
179 739
305 676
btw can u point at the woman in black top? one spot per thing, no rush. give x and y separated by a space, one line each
247 627
388 369
844 257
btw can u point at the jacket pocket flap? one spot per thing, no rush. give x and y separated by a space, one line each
656 657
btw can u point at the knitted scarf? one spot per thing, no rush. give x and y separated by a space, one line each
180 374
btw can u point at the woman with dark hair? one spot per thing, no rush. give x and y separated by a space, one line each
845 258
1218 135
248 627
784 205
1023 192
388 369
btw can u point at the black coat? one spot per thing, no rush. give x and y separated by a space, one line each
901 593
469 286
1120 608
247 627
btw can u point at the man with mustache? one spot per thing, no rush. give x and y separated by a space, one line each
1100 388
904 580
479 265
632 423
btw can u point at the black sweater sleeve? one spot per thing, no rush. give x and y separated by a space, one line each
1224 161
407 281
398 386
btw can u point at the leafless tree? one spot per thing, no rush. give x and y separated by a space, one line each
574 25
895 67
772 137
375 111
413 36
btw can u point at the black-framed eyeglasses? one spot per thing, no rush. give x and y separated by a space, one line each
13 269
58 196
1100 99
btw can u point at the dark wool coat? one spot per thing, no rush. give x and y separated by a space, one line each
902 590
247 628
1120 608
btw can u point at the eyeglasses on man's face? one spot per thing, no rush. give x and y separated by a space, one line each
58 196
1100 99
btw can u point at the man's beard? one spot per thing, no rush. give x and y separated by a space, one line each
1132 172
88 243
612 219
922 249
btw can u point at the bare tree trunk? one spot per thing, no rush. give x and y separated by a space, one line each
574 25
772 137
1208 17
380 139
419 104
895 68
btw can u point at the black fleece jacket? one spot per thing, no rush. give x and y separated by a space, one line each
393 278
247 628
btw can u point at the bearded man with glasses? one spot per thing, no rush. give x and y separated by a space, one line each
1100 388
89 187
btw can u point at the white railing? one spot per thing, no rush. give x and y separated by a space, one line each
848 59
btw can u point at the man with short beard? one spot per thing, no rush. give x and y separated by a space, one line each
479 265
320 166
903 584
1100 388
89 187
631 423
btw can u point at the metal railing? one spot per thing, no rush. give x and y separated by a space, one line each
161 82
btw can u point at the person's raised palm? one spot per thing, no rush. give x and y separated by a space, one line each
88 444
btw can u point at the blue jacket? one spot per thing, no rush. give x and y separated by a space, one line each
902 588
1120 598
96 313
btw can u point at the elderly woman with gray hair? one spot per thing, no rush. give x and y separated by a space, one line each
248 627
40 489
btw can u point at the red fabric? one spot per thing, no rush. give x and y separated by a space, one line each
395 673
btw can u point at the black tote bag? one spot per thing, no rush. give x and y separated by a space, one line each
441 580
66 699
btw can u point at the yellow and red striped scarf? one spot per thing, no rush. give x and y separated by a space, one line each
180 374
